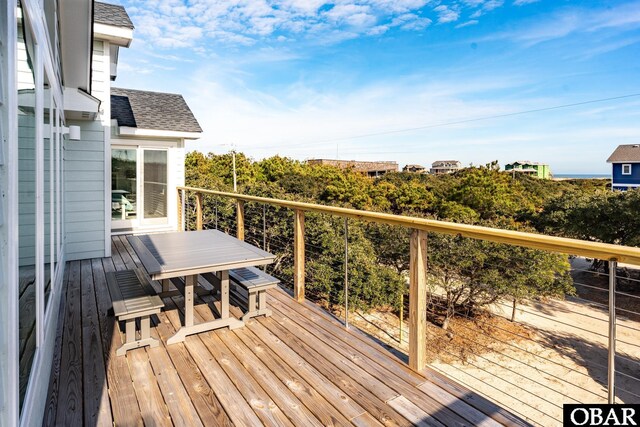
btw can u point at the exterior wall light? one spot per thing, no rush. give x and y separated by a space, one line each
72 131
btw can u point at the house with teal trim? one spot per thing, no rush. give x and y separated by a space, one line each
535 169
625 167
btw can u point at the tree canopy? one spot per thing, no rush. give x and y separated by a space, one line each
465 274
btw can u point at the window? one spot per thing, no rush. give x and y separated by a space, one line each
28 116
626 169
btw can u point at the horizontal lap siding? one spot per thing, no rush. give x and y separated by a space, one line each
84 165
84 192
633 178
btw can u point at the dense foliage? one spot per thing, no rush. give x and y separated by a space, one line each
465 274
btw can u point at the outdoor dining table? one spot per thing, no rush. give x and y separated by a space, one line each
190 253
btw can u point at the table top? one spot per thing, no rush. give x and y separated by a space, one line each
183 253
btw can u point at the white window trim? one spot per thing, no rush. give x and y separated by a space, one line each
626 166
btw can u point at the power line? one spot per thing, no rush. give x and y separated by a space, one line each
457 122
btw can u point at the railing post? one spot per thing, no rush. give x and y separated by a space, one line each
183 222
418 300
611 371
240 217
198 211
346 272
298 256
401 317
179 222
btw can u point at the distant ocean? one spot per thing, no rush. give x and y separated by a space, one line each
582 175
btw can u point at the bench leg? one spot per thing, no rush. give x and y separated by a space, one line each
262 304
258 308
130 330
130 336
145 328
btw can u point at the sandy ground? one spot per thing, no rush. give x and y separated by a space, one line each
561 359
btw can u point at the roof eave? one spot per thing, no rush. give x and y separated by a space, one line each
79 105
76 43
157 133
120 36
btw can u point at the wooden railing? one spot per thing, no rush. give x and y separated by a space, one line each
418 248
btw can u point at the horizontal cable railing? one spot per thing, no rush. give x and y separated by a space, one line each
390 276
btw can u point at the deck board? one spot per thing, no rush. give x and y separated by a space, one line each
297 367
97 411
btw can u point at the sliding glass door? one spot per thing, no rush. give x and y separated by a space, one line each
139 185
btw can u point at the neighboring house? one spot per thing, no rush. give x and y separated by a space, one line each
413 169
538 170
445 166
57 141
625 165
372 169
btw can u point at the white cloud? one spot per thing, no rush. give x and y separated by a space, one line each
410 21
524 2
172 24
446 14
576 20
263 124
314 123
468 23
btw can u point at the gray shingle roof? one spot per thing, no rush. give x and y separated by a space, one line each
152 110
111 14
625 153
445 163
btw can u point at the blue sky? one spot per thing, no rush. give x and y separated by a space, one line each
369 79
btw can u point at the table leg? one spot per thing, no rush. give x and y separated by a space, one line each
224 294
225 321
190 283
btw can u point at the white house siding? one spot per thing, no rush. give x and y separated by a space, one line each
178 154
84 192
85 196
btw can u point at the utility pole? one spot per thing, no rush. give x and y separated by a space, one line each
235 177
233 157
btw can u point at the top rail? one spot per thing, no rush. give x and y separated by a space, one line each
605 251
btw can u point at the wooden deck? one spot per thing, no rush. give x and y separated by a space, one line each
299 367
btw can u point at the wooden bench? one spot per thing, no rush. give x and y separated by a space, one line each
133 298
255 282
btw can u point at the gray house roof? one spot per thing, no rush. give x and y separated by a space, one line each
625 153
152 110
445 163
111 14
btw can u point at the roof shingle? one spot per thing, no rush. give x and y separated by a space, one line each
625 153
111 14
152 110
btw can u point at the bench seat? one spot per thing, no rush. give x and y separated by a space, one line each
133 297
256 283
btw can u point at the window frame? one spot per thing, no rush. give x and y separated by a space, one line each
628 167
